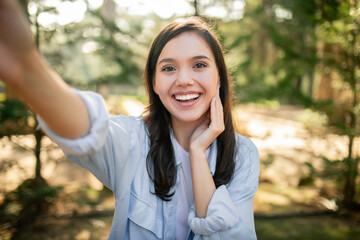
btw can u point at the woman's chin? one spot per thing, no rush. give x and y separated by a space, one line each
190 118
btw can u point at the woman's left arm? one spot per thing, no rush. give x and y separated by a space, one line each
230 212
203 136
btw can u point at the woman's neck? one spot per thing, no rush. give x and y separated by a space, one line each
184 130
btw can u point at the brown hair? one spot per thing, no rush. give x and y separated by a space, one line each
161 165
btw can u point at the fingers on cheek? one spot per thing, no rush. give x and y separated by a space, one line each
212 106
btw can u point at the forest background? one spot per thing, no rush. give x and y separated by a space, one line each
296 75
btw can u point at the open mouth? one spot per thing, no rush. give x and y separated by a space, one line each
187 97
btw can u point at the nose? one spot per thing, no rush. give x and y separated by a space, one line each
184 78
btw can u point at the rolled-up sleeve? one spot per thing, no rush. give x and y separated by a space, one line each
230 212
221 214
96 150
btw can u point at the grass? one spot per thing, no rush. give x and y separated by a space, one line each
271 199
276 200
299 228
308 228
63 229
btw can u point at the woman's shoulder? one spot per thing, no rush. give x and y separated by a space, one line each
129 124
247 162
244 143
247 154
128 120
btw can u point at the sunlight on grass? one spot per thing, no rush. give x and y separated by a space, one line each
273 199
126 104
319 228
133 108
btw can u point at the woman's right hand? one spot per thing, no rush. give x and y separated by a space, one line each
24 69
16 42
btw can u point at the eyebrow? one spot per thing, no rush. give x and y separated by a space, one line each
194 58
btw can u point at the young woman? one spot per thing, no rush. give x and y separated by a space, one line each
178 172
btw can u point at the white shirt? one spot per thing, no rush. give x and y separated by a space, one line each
184 191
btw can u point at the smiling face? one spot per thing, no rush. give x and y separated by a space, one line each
186 77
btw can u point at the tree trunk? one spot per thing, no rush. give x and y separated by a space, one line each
196 7
352 162
350 176
310 90
38 137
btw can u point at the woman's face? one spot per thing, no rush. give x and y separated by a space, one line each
186 77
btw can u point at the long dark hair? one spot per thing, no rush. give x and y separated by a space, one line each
161 165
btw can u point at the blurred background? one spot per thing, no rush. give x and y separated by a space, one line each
296 75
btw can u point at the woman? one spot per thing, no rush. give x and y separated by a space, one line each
180 171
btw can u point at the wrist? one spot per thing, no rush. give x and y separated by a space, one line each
21 70
196 150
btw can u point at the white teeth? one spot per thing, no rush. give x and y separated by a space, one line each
186 97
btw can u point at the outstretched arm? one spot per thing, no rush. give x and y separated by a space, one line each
25 70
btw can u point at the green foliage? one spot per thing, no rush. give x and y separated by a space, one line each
115 48
275 51
339 30
31 198
14 118
333 169
95 50
14 110
339 171
304 53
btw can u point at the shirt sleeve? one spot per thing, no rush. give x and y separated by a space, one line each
106 138
230 212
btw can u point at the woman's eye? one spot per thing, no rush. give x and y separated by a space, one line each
168 69
200 65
